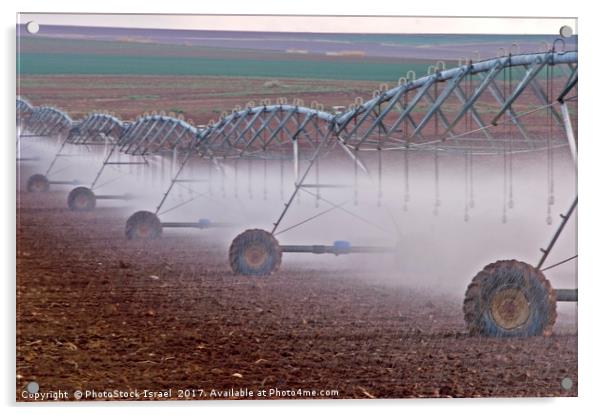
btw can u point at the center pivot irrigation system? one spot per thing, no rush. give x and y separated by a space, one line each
510 104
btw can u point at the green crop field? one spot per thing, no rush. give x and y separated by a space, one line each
95 64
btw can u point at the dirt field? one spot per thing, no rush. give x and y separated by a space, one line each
95 311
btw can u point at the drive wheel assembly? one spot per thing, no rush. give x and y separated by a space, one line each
38 183
510 299
255 252
81 199
143 225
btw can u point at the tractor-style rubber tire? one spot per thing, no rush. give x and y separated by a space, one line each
38 183
81 199
510 299
143 225
255 252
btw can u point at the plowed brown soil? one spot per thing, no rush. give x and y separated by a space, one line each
98 312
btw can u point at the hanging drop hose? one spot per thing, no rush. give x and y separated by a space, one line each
504 217
466 94
550 173
437 201
406 198
355 191
510 160
317 204
250 179
380 163
471 203
236 178
265 179
318 194
191 172
282 178
551 94
466 216
380 178
471 88
506 91
436 93
223 182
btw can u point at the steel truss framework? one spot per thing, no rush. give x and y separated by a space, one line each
148 136
23 110
268 131
156 134
431 112
96 128
489 107
48 121
447 97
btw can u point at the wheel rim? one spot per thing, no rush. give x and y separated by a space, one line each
38 186
255 255
510 308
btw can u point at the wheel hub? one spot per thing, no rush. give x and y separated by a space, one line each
509 308
255 255
81 201
143 230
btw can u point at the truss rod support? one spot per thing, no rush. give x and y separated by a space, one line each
64 182
104 164
570 85
324 186
353 157
173 182
125 163
201 224
567 295
114 197
530 75
296 160
302 178
57 155
548 249
569 130
338 248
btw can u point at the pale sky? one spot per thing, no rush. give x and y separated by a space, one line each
316 24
